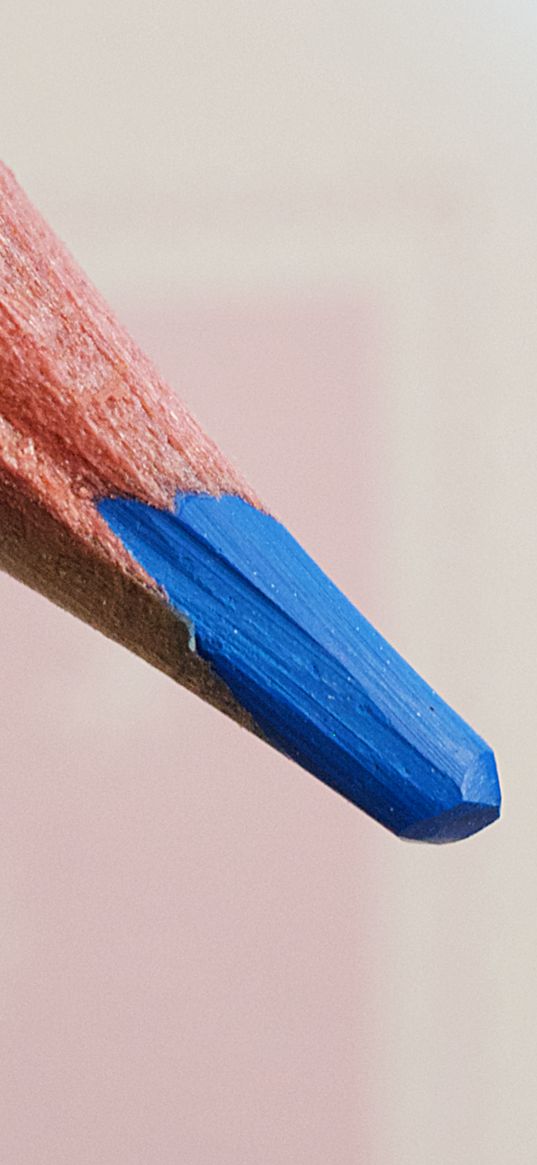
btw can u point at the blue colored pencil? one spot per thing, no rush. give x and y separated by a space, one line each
116 505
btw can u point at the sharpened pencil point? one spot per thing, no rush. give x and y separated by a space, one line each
116 505
480 806
320 683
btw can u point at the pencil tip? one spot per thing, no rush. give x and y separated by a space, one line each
320 683
479 807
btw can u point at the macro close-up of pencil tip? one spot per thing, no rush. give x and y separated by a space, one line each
266 422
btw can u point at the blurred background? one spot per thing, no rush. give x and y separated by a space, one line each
320 221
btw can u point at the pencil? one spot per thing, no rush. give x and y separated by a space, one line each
117 506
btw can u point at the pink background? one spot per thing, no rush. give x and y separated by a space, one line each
188 970
320 219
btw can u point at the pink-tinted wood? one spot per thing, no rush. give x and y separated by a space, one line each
83 413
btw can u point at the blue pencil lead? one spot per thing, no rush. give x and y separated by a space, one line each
320 683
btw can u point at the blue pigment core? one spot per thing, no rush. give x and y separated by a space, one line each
323 686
